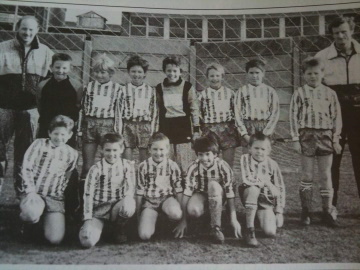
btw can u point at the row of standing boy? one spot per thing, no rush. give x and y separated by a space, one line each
137 111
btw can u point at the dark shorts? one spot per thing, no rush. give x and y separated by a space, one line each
136 134
316 142
264 202
103 210
252 127
94 129
154 203
225 134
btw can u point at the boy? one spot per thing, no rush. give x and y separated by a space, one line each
58 95
256 104
217 112
178 107
109 193
209 179
158 187
315 122
97 112
138 110
45 171
261 189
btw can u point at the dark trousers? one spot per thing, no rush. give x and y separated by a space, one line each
350 134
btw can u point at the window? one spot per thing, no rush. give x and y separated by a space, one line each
293 26
310 25
177 28
138 26
232 28
253 28
271 27
216 29
156 27
194 29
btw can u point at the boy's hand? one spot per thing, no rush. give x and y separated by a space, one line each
196 136
337 148
279 220
237 227
131 206
247 138
297 146
180 229
273 189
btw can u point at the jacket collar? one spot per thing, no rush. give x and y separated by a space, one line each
34 44
333 51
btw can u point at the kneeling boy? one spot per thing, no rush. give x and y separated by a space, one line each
208 179
45 173
109 193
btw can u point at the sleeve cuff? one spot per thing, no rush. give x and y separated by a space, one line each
178 190
188 192
140 192
87 216
279 210
295 139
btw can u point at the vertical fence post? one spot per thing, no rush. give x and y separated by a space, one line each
87 62
192 63
296 62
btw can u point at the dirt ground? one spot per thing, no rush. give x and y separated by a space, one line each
293 244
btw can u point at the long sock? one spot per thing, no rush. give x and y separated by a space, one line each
250 210
326 197
215 207
306 191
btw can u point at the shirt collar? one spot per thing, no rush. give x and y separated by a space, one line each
153 163
216 90
313 88
105 84
167 83
33 45
216 160
255 87
136 86
252 160
107 165
335 52
52 145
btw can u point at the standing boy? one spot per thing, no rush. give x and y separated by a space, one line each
138 110
217 113
315 121
158 187
45 173
208 181
256 104
178 112
261 189
109 193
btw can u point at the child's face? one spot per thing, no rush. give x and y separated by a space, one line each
61 69
206 158
255 76
159 150
259 150
59 136
313 76
112 152
137 75
215 78
102 76
172 72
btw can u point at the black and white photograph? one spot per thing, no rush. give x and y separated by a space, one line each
180 134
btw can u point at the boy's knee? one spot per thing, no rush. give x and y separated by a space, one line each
195 211
175 214
31 207
145 235
214 189
88 238
54 239
270 232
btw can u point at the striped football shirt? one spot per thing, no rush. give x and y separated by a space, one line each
108 183
45 166
217 106
156 180
256 103
198 177
316 108
138 104
253 173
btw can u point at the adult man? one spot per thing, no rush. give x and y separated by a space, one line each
342 73
24 61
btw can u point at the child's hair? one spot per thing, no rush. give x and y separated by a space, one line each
60 57
341 20
102 62
137 60
312 62
111 138
255 63
258 136
159 137
61 121
206 144
216 67
171 60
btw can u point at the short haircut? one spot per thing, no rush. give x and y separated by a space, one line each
61 121
159 137
60 57
137 60
171 60
312 62
103 62
112 138
206 144
27 17
255 63
341 20
258 136
216 67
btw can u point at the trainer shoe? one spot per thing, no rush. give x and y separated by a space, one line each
217 235
305 218
250 238
330 221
